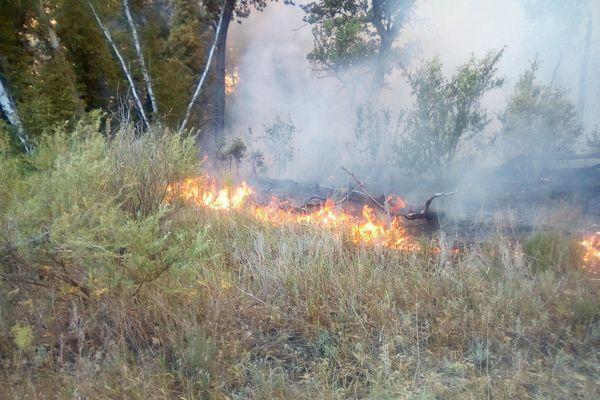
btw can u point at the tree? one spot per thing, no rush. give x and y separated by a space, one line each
279 140
34 63
351 33
8 110
373 134
539 120
569 18
446 111
97 76
233 9
141 59
184 56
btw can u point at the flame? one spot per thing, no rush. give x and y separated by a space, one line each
231 81
202 191
591 253
367 229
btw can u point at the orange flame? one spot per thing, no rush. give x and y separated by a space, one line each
231 82
368 229
202 191
591 253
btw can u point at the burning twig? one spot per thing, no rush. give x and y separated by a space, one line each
369 195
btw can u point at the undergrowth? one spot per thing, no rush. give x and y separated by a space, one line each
107 292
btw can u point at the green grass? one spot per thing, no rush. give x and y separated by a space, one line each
106 293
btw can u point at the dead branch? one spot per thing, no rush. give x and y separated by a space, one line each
424 213
369 195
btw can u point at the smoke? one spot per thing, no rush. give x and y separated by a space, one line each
269 52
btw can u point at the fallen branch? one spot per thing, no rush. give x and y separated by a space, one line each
369 195
424 213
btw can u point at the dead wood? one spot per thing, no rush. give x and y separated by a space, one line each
424 213
366 192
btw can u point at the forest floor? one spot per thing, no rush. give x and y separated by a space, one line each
108 293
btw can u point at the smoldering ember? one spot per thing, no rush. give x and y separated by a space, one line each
223 199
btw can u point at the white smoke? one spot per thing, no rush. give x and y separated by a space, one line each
269 51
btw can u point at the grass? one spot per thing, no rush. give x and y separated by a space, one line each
106 293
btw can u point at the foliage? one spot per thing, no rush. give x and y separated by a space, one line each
539 120
257 158
593 141
446 112
23 336
234 153
279 139
374 133
182 57
357 33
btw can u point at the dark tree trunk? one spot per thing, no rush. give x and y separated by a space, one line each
217 120
381 67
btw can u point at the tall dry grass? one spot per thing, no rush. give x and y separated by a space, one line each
108 293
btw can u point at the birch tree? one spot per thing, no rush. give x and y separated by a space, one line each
140 56
9 110
205 72
123 65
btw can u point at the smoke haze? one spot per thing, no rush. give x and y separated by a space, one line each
269 51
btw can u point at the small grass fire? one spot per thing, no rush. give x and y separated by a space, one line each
591 253
367 227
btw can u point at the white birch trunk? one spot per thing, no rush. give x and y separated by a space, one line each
13 118
126 71
140 55
205 73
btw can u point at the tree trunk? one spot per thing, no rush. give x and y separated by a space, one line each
123 65
198 89
8 108
584 67
140 56
217 122
380 70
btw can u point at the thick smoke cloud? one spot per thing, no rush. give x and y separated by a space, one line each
269 51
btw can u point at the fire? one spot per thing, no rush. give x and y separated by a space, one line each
203 191
231 81
591 253
367 229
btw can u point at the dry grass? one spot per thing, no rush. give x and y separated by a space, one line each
181 303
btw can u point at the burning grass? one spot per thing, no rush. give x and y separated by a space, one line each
107 292
591 253
368 228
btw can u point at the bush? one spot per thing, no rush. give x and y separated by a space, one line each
87 217
446 112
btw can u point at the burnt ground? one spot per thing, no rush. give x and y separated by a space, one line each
497 202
